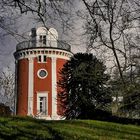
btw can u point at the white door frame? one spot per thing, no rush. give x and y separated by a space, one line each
42 94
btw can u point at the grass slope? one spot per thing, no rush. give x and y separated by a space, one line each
18 128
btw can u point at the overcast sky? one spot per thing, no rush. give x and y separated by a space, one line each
24 25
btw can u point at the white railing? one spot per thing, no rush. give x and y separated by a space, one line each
48 44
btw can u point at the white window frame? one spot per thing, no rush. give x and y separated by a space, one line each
42 58
42 39
42 94
39 72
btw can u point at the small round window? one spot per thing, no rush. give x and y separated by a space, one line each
42 73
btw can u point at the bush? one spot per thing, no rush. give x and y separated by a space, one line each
4 110
107 116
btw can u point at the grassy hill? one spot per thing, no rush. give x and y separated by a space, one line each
17 128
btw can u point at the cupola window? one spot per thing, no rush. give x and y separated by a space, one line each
42 39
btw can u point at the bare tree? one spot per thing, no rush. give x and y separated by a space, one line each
45 11
110 23
113 24
7 84
8 18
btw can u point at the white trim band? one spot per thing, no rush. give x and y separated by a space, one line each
54 88
48 52
30 87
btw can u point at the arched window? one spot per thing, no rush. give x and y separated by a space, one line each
41 36
52 38
42 39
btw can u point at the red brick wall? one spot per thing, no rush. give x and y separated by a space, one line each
42 84
22 87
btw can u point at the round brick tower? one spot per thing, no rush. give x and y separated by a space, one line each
38 63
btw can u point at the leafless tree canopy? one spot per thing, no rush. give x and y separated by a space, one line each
43 11
111 25
7 84
48 10
8 16
114 24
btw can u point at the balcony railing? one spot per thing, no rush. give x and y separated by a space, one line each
40 44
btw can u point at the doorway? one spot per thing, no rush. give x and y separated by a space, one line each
42 104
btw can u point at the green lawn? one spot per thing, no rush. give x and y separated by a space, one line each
17 128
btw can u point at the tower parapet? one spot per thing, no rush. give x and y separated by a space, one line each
37 44
43 38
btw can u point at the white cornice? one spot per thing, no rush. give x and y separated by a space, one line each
31 53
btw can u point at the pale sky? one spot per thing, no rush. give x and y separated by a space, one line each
24 25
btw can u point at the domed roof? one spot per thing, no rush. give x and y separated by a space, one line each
41 31
52 34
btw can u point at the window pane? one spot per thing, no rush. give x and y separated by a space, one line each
42 105
40 38
39 58
44 39
42 73
45 58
